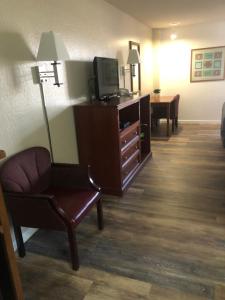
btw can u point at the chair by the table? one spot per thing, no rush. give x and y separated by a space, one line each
160 112
41 194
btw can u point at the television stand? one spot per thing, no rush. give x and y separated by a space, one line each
115 152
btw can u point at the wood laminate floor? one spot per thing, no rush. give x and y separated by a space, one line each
164 240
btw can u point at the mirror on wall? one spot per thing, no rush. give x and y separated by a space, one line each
135 80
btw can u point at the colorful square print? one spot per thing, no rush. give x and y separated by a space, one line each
198 73
208 55
217 64
216 72
207 64
208 73
218 54
198 56
198 65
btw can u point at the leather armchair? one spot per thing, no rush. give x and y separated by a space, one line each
41 194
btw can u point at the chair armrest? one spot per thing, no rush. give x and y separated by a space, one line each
72 175
35 210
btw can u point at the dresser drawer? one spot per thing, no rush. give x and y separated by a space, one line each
129 134
129 152
128 169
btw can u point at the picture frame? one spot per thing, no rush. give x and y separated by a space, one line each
207 64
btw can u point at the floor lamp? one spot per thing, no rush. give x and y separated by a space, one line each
51 48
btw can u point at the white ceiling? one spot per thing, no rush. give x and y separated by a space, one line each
159 13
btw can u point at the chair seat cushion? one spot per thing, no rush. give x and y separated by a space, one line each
76 203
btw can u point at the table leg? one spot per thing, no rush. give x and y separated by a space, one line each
168 120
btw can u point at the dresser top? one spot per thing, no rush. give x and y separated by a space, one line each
118 103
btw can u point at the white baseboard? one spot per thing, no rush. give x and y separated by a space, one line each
200 121
196 121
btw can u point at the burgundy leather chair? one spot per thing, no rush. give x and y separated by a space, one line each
161 113
41 194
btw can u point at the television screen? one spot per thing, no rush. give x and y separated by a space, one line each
106 77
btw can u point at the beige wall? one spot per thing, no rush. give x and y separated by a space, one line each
89 28
199 101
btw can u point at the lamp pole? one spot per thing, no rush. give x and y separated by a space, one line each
45 113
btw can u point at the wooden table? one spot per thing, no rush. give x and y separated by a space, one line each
164 101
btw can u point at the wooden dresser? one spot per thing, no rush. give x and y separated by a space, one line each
114 139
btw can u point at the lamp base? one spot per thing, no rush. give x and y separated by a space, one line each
45 76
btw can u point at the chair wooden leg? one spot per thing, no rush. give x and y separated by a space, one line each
176 122
100 215
152 123
73 249
19 239
173 125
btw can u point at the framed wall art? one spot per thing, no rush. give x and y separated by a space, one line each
207 64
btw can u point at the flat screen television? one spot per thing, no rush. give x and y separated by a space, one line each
106 77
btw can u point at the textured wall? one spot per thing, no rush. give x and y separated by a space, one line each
89 28
199 101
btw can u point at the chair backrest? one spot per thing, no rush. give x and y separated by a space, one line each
27 171
175 107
